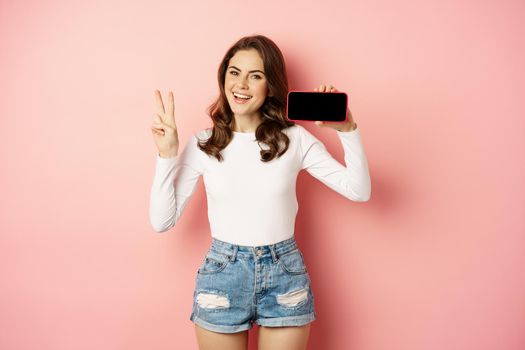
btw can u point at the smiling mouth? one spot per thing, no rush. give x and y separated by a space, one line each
241 98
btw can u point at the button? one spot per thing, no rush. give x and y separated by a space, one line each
258 252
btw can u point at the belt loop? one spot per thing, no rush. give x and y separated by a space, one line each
275 257
234 253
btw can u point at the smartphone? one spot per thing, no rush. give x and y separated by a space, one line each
313 105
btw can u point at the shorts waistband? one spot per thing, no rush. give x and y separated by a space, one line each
274 250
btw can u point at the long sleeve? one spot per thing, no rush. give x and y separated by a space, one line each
173 185
352 181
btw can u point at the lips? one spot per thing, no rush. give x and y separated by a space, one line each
240 93
241 100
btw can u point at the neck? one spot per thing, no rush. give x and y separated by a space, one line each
246 123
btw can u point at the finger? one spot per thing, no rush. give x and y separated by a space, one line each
157 128
160 105
164 127
325 124
315 89
171 106
330 88
157 132
159 122
157 118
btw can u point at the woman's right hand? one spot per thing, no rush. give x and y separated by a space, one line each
164 128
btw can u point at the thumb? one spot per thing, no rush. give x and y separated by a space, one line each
156 118
159 124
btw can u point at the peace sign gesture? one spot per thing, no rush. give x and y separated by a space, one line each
164 128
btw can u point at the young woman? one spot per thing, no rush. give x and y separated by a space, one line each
254 272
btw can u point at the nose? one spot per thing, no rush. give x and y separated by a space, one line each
243 81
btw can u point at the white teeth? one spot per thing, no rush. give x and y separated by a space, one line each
241 96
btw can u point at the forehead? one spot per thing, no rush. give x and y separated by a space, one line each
247 60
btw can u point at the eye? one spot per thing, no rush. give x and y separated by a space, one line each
236 73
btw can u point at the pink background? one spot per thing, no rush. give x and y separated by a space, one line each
433 261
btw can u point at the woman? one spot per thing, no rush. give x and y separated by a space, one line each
254 271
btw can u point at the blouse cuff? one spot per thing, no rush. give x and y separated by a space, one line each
167 160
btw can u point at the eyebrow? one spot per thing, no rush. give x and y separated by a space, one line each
255 70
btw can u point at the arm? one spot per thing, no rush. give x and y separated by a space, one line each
173 185
352 181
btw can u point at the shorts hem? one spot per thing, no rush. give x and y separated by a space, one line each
286 321
220 328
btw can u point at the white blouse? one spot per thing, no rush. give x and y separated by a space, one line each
250 202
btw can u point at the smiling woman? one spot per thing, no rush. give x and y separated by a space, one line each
254 271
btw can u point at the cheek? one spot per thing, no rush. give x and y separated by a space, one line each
262 89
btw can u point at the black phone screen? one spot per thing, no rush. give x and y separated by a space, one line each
312 105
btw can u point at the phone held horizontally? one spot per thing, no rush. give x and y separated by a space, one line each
313 106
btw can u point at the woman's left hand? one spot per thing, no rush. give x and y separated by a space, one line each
347 125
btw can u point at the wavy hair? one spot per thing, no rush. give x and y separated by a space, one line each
273 109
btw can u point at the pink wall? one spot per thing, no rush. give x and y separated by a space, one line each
433 261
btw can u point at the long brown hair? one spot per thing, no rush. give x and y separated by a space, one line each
273 110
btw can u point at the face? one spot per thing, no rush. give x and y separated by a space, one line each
245 75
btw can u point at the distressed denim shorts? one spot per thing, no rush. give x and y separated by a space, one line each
238 285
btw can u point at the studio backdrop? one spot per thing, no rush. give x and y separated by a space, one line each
434 260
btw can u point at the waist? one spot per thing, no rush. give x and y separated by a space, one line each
259 251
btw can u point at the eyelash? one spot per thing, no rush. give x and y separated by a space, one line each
258 76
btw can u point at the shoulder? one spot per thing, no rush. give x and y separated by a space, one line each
203 134
294 131
300 133
301 138
200 136
196 138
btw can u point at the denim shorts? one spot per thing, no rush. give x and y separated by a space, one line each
238 285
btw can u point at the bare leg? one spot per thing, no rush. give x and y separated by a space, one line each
283 338
209 340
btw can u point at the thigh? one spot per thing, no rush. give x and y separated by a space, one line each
209 340
283 338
